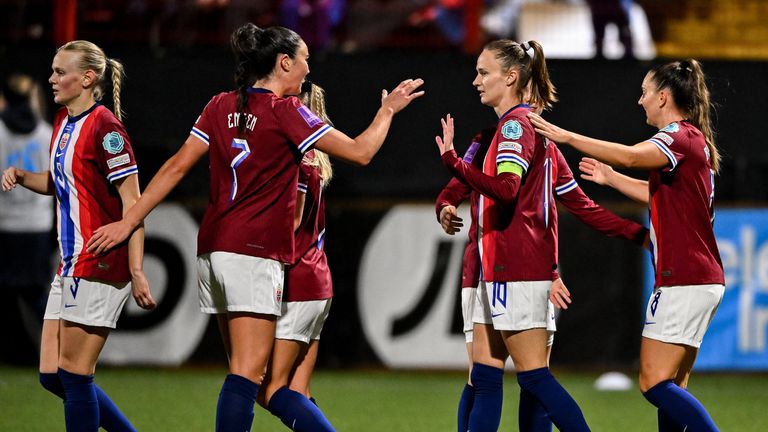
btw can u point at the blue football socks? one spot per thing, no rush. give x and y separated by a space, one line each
52 383
559 405
81 408
111 418
666 424
297 412
532 417
465 407
680 406
488 382
234 411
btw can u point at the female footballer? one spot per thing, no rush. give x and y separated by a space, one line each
531 414
307 294
93 175
256 137
683 160
517 235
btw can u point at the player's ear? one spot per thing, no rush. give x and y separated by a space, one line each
663 97
511 77
285 62
89 78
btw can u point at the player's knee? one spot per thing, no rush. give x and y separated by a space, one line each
51 382
647 380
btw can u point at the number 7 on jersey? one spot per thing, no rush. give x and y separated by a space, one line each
241 144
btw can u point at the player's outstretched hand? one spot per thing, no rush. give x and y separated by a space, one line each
446 142
10 178
595 171
559 294
450 221
549 130
108 236
141 292
402 95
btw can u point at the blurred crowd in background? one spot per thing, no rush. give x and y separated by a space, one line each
568 28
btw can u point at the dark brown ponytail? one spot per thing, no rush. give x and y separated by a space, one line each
529 59
687 84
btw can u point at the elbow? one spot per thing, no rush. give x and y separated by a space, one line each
362 162
630 160
360 159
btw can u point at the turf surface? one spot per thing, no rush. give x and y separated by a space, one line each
185 400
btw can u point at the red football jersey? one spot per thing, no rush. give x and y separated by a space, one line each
518 242
310 277
88 153
569 194
253 177
682 210
456 192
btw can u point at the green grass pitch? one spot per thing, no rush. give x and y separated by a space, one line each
185 400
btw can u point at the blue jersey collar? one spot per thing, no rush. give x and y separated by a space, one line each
522 105
258 90
77 118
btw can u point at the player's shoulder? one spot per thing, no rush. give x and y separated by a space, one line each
218 99
61 114
515 125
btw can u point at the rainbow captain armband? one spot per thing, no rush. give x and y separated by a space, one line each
510 167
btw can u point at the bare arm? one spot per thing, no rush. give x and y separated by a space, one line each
603 174
361 149
169 175
644 155
40 182
128 188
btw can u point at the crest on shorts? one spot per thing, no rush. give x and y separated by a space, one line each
672 127
512 130
113 143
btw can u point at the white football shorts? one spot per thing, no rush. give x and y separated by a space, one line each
87 302
302 320
230 282
681 314
468 295
515 306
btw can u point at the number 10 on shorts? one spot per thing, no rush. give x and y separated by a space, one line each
500 293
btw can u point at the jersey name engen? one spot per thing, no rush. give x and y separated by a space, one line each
254 173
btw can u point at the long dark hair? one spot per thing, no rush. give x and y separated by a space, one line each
256 50
531 68
686 82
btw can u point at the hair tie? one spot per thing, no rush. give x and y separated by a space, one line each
525 46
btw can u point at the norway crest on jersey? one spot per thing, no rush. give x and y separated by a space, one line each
64 140
113 143
512 130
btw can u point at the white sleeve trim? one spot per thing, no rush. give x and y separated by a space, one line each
125 172
200 134
571 185
310 140
664 149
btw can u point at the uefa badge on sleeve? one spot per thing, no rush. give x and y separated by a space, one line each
512 130
113 143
